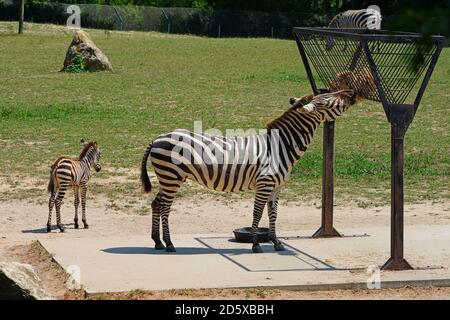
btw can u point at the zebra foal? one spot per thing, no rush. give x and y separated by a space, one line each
72 173
260 162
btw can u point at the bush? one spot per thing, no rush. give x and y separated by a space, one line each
76 65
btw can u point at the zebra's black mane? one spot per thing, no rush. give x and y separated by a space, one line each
273 123
86 149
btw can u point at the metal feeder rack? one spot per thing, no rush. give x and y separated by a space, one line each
397 61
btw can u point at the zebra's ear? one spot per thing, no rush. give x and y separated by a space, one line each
82 141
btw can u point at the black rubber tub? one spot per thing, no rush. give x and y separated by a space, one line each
244 234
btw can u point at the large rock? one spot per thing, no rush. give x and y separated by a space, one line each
93 58
19 281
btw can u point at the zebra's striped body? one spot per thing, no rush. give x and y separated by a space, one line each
354 19
357 19
70 173
260 162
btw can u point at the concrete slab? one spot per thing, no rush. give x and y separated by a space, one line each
114 264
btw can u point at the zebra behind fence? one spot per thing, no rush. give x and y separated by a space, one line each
354 19
260 162
70 173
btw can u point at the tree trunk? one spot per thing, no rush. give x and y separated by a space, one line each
21 15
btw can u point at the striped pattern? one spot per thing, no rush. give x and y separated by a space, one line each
68 173
260 162
358 19
354 19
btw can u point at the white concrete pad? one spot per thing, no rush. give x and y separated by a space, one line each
114 264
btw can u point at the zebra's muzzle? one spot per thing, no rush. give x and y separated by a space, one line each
98 167
296 102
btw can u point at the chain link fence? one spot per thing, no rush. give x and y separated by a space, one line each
212 23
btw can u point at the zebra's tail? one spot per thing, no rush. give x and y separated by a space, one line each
51 183
144 175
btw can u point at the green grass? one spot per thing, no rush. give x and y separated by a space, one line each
165 82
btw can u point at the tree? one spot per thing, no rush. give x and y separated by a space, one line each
21 15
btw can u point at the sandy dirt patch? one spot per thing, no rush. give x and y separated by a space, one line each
25 221
55 278
21 222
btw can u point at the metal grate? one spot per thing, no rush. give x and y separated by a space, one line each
380 66
397 61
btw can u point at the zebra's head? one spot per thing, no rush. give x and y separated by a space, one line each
92 154
328 106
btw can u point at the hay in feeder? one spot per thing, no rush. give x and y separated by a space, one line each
361 82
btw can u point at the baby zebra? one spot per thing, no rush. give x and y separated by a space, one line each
65 173
260 162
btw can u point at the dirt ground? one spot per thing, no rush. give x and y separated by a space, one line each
22 222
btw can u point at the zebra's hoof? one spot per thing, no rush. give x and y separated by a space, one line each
279 247
171 248
61 227
257 249
86 226
159 246
77 226
49 229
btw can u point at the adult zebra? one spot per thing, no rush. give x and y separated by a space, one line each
261 162
354 19
65 173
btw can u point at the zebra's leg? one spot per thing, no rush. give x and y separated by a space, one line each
59 196
261 198
83 205
167 197
51 203
272 207
156 217
76 203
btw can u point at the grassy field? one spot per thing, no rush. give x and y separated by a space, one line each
161 82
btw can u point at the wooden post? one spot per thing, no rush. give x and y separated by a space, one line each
401 116
21 15
327 230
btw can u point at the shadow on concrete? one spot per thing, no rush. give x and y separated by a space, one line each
193 250
227 253
38 230
44 229
314 263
